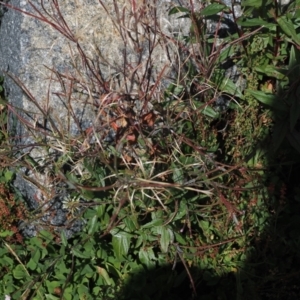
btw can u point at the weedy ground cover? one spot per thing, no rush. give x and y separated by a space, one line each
186 191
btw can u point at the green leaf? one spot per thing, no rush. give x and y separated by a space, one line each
121 243
288 28
178 9
63 238
272 71
209 111
46 235
51 285
93 225
103 273
79 254
155 222
204 225
178 176
87 271
252 22
147 256
8 175
31 264
164 238
294 65
36 256
269 100
6 233
213 9
51 297
19 272
83 291
179 238
131 223
229 87
252 3
225 53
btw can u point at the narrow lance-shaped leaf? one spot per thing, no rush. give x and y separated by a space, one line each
177 9
103 273
252 3
270 100
164 238
229 87
213 9
288 28
93 225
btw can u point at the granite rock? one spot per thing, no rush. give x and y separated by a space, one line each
30 49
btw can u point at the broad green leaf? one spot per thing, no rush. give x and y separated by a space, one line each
62 269
270 100
96 290
288 28
51 297
51 285
178 9
213 9
121 243
103 273
164 238
204 225
46 235
7 260
83 291
87 271
93 225
225 53
294 65
252 22
272 71
8 175
79 254
144 257
252 3
155 222
31 264
174 90
101 253
179 238
141 238
36 256
131 223
229 87
89 248
69 292
63 238
19 272
6 233
178 176
210 112
147 256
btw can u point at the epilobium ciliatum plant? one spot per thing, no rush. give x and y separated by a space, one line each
169 179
